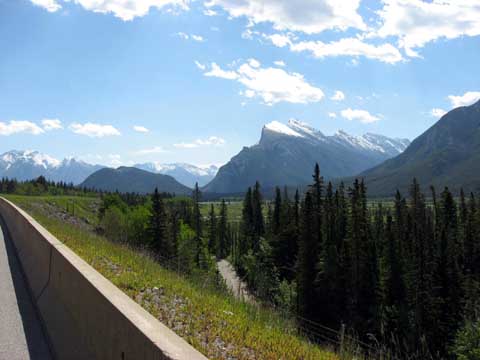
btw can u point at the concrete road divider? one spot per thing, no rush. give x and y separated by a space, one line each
86 317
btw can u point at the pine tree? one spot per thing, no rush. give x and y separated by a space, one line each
277 212
222 245
449 276
257 215
394 294
157 228
174 231
197 223
306 260
328 264
247 229
212 230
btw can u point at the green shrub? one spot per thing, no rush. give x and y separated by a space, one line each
467 342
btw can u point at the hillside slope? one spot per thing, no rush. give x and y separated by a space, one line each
129 179
447 154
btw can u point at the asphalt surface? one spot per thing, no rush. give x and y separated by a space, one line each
21 335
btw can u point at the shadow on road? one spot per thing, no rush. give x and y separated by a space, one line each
30 327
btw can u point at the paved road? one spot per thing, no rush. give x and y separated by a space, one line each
21 335
234 283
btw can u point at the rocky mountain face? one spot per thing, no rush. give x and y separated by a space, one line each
447 154
286 155
27 165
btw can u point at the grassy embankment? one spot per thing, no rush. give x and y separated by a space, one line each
215 323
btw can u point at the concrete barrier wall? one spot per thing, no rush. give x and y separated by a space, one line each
85 315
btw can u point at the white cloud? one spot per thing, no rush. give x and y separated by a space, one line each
123 9
254 63
279 40
200 65
20 126
198 38
194 37
153 150
438 113
361 115
466 99
209 12
183 35
272 85
354 62
49 5
115 159
332 115
216 71
128 9
94 130
211 141
344 47
416 22
140 129
308 16
338 96
280 63
51 124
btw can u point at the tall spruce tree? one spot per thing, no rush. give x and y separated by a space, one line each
257 216
212 230
306 262
157 227
197 223
223 238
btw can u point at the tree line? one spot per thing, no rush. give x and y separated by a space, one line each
172 229
42 186
405 272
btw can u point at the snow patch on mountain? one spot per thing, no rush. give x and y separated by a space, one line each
28 164
305 129
280 128
367 142
187 174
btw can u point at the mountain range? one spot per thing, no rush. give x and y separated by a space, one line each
287 153
447 154
26 165
185 174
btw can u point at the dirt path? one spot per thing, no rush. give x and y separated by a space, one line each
234 283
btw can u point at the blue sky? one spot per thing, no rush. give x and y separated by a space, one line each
199 79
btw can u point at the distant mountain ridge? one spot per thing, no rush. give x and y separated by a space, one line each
130 179
287 153
185 174
447 154
26 165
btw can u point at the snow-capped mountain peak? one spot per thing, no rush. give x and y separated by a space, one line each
357 141
29 156
301 131
186 174
28 164
305 129
278 127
